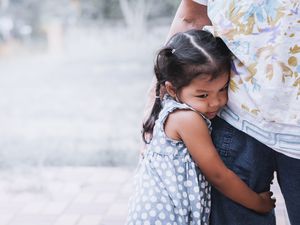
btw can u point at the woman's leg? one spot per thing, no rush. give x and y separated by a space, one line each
253 162
288 175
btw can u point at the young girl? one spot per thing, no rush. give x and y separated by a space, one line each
180 159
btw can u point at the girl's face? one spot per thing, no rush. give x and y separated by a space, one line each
205 95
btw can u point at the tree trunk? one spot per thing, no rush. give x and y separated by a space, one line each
135 14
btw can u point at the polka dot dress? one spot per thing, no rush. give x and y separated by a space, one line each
169 188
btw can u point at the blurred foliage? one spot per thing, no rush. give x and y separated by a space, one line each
111 10
93 10
23 18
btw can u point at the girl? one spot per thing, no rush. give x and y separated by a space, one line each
180 159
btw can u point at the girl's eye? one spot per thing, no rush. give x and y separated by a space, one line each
224 88
202 96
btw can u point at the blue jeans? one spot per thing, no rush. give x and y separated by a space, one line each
255 164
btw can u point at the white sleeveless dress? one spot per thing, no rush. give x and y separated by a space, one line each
169 187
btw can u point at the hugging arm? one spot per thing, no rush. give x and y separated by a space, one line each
193 131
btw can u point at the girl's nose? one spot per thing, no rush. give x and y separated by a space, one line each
215 102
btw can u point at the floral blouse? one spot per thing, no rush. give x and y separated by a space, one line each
264 93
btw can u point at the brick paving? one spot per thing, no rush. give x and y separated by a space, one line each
74 196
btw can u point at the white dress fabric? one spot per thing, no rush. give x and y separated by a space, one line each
169 187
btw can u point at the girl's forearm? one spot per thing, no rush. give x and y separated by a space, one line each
235 189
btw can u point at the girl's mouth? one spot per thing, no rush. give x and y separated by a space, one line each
211 115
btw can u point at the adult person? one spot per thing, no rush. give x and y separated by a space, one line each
259 130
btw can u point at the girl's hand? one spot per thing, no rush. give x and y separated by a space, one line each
267 203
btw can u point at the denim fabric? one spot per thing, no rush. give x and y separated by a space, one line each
288 175
253 162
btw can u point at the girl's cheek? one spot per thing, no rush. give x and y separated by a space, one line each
225 99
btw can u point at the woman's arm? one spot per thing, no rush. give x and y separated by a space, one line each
192 130
189 15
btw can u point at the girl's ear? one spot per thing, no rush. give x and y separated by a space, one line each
170 89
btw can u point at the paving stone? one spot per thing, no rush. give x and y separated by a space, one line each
79 196
67 220
85 197
87 208
105 198
6 218
36 219
90 220
9 207
32 208
54 208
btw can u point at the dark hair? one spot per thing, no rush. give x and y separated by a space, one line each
186 56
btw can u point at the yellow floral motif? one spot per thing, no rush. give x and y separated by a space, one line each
233 86
270 71
253 111
297 83
243 28
240 28
286 71
252 69
295 49
240 64
245 108
247 28
292 61
280 13
269 49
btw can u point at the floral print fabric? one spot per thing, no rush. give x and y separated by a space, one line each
264 94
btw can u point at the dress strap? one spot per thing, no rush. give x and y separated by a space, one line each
170 105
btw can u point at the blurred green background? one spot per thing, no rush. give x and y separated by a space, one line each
74 77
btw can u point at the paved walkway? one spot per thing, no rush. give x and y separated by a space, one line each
73 196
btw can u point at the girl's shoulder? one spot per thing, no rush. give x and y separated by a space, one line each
175 116
183 111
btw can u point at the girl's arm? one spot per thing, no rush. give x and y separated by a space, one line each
192 130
